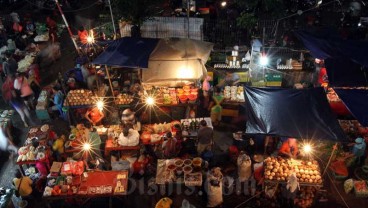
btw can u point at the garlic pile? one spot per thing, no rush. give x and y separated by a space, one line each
123 99
79 97
25 62
279 169
234 93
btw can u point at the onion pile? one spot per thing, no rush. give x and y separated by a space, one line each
279 169
123 99
79 97
306 196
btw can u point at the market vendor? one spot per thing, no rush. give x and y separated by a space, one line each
358 150
94 116
289 147
57 99
231 79
128 117
129 136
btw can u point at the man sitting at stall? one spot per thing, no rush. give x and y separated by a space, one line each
170 146
128 118
57 101
205 137
358 150
94 116
289 147
129 136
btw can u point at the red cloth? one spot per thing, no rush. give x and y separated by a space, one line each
339 168
258 173
287 145
83 36
41 167
7 88
322 76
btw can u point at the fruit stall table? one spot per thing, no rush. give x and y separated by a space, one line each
89 185
42 153
278 169
110 146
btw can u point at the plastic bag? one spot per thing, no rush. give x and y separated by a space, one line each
186 204
348 185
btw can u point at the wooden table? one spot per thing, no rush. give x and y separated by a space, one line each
43 139
95 179
109 146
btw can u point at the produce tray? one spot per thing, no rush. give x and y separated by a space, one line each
193 179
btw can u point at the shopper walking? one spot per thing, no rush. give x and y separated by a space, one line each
11 97
205 137
23 88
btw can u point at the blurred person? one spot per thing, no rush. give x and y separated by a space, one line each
358 150
30 28
10 66
6 144
289 147
57 99
21 84
3 36
170 146
58 147
34 84
11 97
23 184
52 27
129 136
205 137
94 116
215 107
83 35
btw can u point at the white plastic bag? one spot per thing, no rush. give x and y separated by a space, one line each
186 204
244 167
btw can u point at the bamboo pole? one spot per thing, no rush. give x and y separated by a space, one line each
108 76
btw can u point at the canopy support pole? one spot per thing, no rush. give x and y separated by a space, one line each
108 76
329 160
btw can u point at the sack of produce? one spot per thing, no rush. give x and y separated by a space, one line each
214 188
244 167
348 185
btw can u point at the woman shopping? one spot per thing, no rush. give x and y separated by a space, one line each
15 101
23 88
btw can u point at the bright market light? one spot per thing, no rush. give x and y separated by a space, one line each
100 105
307 148
86 147
90 38
319 2
223 4
263 60
359 24
150 101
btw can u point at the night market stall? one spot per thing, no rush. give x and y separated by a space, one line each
302 114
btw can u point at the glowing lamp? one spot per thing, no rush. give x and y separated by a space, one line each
90 39
100 105
319 2
86 146
150 101
263 60
307 148
223 4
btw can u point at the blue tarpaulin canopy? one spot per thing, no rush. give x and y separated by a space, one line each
128 52
291 113
356 101
346 60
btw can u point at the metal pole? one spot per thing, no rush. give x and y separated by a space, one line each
112 18
67 26
329 160
108 76
188 14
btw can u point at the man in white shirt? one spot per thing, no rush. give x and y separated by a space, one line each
129 137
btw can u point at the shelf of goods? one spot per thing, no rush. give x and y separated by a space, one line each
234 93
273 80
290 65
42 105
360 189
80 97
71 181
352 127
152 133
174 96
278 169
5 117
188 171
26 62
123 99
42 37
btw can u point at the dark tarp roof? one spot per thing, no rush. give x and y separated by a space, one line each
345 59
326 43
356 101
345 73
128 52
291 113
